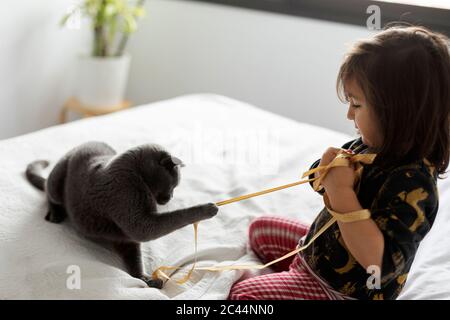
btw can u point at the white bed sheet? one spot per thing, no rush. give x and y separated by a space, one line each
210 133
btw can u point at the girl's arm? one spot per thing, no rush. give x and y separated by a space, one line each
363 238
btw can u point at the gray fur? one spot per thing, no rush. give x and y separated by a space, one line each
112 198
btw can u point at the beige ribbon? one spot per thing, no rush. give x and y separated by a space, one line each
342 159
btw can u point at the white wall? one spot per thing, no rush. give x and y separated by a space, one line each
282 63
35 63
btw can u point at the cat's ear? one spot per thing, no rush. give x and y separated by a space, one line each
170 162
177 161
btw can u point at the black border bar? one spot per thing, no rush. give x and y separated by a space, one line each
349 11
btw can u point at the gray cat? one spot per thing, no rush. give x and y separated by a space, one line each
112 197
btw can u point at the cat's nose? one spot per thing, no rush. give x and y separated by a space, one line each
164 200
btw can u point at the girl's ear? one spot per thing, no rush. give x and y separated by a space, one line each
170 162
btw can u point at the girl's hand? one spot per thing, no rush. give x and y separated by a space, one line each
337 178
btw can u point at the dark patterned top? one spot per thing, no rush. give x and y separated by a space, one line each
403 201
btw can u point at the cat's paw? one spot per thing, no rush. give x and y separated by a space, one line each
53 217
152 283
209 210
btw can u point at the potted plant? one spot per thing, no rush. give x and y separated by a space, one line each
102 75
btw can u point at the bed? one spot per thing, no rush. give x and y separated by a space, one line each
229 148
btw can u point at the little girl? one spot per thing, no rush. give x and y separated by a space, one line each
397 85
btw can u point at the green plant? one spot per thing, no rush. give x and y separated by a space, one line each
113 21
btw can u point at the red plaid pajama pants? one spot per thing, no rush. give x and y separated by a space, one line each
271 238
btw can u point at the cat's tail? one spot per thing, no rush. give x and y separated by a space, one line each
34 173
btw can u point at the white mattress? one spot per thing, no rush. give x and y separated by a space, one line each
230 148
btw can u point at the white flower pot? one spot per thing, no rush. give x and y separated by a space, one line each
101 82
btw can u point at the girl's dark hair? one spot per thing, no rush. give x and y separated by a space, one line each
404 73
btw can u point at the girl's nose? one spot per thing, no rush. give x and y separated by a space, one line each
350 113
